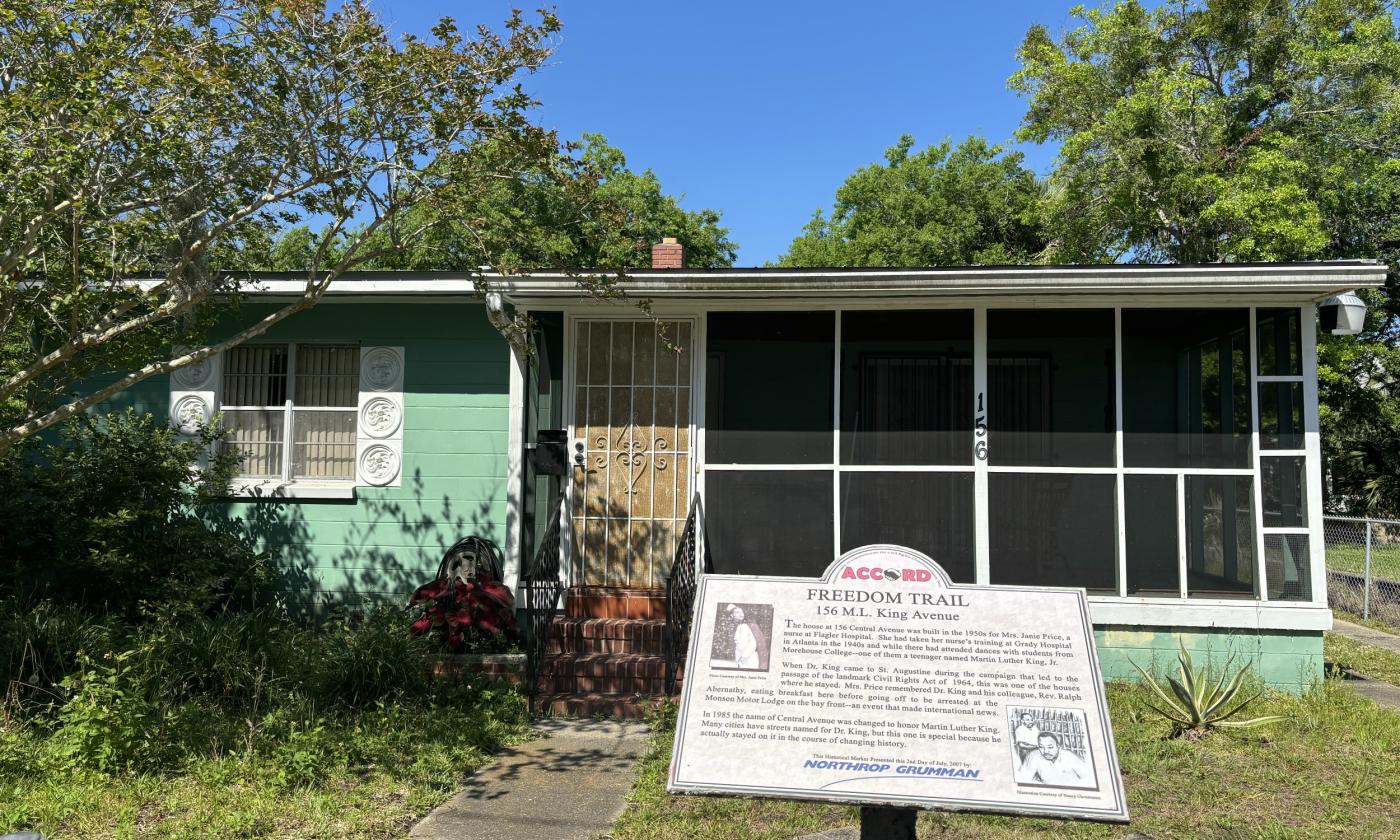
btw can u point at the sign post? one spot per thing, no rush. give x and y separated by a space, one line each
885 684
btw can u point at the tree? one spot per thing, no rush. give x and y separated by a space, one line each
944 205
156 140
585 210
1234 130
1221 130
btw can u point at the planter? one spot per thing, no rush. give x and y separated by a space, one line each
497 666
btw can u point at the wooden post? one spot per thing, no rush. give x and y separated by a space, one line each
887 823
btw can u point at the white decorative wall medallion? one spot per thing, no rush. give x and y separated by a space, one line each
192 377
382 368
379 464
380 417
191 413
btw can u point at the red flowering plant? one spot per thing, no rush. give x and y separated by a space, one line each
472 613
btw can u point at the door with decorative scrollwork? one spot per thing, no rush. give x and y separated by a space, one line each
632 412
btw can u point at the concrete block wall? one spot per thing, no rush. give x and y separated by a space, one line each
1290 660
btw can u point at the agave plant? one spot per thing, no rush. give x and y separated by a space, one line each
1198 703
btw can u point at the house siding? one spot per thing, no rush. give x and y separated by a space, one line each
387 540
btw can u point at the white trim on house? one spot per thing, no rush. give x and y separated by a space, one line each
273 488
1312 280
1312 461
515 475
1243 614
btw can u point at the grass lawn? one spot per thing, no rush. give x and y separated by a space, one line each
1366 660
1346 557
1331 771
367 775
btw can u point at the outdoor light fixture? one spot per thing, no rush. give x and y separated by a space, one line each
1343 314
496 310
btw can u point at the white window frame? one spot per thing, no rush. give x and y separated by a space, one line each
286 485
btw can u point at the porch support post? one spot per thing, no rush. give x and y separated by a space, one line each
515 483
887 823
1261 568
1312 461
981 443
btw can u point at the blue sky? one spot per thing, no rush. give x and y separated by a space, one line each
760 110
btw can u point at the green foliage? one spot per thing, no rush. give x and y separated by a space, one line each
367 661
1220 130
159 142
1200 701
107 722
148 698
133 498
584 208
288 769
1359 388
972 204
1239 130
41 644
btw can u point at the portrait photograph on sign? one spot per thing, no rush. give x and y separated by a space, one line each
742 634
1051 747
884 683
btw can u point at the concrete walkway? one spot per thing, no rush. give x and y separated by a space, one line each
1382 693
1370 636
568 784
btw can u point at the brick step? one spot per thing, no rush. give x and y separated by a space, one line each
605 635
588 704
606 602
606 664
607 673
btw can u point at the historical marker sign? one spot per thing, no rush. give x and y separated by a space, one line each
885 683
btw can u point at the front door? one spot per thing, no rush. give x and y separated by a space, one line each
632 417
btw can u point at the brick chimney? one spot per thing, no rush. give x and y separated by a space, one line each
668 253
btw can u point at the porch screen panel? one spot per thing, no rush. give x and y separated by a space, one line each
906 387
1186 400
931 512
1150 521
770 522
1286 563
1053 529
768 396
1219 536
632 410
1050 387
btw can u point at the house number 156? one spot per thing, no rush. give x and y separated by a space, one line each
979 449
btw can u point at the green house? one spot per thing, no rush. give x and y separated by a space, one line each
1147 432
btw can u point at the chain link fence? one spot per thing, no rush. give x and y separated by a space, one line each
1363 567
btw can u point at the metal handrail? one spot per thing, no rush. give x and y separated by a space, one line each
543 583
692 560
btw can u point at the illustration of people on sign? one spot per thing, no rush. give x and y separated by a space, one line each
1051 748
742 635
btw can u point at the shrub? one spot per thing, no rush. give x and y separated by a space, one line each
41 644
359 662
107 722
118 515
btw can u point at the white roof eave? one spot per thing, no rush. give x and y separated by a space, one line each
1300 280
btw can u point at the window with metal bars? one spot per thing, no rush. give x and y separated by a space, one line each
290 410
